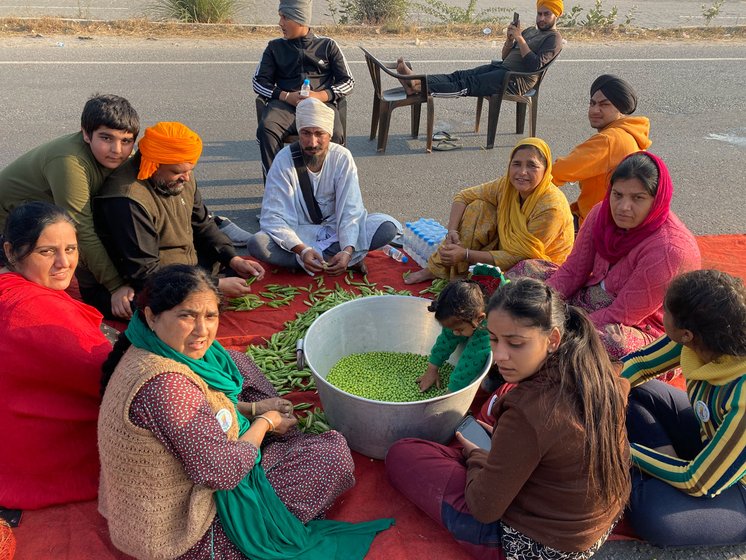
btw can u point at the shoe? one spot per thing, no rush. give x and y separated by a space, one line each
443 135
446 146
398 241
238 236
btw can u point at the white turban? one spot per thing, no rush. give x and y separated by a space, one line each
314 113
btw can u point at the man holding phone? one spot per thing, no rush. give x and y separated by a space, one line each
523 51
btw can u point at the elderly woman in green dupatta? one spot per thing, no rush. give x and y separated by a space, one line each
199 456
522 215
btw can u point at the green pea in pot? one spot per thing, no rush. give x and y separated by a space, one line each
382 324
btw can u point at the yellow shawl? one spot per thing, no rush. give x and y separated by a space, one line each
512 215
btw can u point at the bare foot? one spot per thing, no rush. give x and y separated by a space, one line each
410 86
420 276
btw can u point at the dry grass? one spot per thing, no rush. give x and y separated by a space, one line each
142 28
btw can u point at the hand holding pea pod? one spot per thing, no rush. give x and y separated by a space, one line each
283 406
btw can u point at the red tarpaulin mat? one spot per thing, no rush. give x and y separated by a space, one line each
78 532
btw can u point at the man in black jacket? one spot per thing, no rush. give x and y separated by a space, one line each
285 64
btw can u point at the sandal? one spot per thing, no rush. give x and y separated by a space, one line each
446 146
443 135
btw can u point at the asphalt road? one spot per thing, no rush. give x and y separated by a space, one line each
693 93
645 13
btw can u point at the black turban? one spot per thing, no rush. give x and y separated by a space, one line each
616 90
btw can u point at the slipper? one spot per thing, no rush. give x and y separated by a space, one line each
446 146
443 135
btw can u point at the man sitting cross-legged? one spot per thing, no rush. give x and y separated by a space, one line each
322 226
150 213
523 51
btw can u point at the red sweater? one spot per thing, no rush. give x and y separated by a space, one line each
638 281
51 351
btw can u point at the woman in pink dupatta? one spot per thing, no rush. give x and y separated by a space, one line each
628 250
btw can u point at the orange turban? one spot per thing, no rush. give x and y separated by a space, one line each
555 6
169 143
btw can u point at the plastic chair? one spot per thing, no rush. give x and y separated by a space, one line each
386 100
523 101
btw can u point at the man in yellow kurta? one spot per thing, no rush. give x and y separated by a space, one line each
592 162
522 215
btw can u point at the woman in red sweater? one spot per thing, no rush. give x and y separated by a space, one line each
627 252
556 478
51 351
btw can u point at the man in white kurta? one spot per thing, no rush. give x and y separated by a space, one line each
288 236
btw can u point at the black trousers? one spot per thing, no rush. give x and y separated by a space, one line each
277 123
476 82
658 415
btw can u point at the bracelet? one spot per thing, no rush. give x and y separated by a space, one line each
304 251
268 421
467 255
287 93
253 409
350 253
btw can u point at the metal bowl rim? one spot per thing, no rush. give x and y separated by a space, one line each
318 377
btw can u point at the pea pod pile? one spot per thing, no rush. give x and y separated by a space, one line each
278 360
386 376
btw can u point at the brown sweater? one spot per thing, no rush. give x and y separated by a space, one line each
153 509
535 478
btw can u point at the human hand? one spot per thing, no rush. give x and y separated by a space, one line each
430 377
283 406
338 263
121 302
293 98
246 268
452 254
282 421
312 260
515 31
452 237
233 286
468 446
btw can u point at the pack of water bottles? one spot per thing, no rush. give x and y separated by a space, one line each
421 239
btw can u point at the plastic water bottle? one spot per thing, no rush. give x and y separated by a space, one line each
394 253
305 89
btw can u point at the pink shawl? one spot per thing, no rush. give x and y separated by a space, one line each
613 242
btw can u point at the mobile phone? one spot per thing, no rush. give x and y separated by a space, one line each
516 18
475 433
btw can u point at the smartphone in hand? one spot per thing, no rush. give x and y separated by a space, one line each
516 18
475 433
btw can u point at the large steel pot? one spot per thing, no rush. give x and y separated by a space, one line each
391 324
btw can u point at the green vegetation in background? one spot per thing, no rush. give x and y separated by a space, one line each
196 11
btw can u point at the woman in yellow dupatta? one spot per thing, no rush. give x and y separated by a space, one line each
522 215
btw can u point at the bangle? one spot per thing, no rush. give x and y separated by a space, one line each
268 421
304 251
467 255
345 251
253 409
286 95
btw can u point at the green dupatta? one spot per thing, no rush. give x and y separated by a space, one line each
251 514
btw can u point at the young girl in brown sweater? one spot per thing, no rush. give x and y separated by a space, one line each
557 476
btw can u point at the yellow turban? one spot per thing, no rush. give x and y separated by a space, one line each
555 6
167 143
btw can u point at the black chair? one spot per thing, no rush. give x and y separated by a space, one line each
522 100
386 100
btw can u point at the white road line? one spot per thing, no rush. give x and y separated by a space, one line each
254 62
26 7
